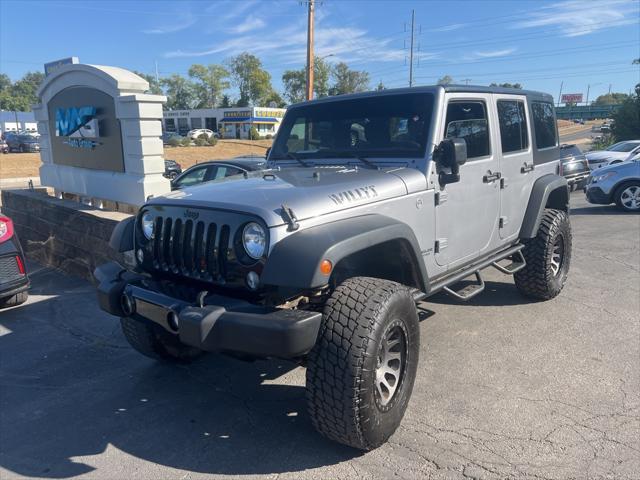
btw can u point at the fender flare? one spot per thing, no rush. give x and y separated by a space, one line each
295 260
548 191
122 235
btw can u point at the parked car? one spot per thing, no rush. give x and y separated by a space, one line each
14 281
616 153
618 183
323 259
193 134
22 143
172 169
4 147
217 170
573 166
167 136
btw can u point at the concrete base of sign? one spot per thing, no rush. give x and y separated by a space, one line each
138 129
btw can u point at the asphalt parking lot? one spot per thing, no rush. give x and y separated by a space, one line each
506 388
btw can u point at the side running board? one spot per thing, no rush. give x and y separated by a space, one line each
469 291
517 263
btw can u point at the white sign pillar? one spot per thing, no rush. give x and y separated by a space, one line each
100 134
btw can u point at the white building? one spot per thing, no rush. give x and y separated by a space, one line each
17 122
233 122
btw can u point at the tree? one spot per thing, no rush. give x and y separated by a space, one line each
211 81
611 99
155 86
507 85
295 81
381 86
274 98
225 102
180 92
347 80
253 82
20 95
626 121
446 80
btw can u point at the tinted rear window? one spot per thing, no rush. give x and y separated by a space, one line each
545 124
513 126
570 151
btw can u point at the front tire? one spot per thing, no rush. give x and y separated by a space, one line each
548 258
361 371
627 197
154 342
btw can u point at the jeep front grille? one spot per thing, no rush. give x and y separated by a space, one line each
191 248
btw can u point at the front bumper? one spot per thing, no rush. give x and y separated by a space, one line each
218 324
596 195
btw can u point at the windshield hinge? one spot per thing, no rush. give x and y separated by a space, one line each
289 217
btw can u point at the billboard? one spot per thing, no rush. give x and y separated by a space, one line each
572 98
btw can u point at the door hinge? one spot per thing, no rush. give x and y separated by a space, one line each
503 183
440 197
440 245
502 222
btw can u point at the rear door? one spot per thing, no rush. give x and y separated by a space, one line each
467 211
516 161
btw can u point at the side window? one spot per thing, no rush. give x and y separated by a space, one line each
224 171
468 120
544 123
513 126
191 178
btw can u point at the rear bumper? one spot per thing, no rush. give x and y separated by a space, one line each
577 178
220 324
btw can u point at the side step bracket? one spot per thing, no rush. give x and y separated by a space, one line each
517 263
469 291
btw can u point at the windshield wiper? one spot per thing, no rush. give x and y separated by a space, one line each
355 155
297 159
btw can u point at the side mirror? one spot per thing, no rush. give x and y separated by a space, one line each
266 154
451 153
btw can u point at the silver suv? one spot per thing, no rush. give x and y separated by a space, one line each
372 203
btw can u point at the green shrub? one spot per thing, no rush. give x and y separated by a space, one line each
201 142
212 141
185 142
174 141
253 134
204 136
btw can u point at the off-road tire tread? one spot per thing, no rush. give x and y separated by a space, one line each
14 300
335 364
533 280
149 341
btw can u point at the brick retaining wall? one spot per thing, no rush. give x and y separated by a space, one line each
61 233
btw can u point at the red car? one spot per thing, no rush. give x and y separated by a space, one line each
14 281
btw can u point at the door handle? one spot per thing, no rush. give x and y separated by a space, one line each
491 177
528 167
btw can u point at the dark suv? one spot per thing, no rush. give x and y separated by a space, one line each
573 166
22 143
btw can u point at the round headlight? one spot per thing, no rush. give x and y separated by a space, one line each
147 225
254 240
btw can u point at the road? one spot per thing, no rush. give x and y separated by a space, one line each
505 389
572 137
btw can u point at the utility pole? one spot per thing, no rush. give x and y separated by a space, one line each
560 94
466 80
157 76
310 11
413 21
609 90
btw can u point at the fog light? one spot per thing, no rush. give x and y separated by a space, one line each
253 280
140 255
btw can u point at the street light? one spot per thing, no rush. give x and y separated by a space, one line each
588 88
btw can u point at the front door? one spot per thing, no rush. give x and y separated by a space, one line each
467 211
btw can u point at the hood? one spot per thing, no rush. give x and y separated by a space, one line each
308 192
625 168
601 155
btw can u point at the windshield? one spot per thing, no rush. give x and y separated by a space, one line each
378 126
623 147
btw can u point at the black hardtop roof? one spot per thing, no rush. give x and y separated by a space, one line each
532 94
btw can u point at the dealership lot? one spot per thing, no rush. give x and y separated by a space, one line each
506 388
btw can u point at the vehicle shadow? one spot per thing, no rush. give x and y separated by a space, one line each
598 210
72 389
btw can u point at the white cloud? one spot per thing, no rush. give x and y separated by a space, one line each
448 28
251 23
187 21
578 18
495 53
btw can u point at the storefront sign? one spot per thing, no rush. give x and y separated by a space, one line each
51 67
572 98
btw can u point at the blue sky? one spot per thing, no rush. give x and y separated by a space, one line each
536 43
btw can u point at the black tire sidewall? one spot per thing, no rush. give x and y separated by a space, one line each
558 281
618 196
378 424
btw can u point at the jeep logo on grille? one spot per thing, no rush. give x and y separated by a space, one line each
191 214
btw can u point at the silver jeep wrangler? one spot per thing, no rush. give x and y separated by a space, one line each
372 202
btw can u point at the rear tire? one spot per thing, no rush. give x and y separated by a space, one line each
154 342
548 257
361 371
627 197
14 300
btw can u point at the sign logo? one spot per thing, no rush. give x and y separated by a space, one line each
572 98
79 125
